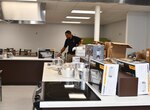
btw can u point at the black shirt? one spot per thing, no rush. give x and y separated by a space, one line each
73 42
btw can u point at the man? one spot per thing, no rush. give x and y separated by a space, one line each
71 42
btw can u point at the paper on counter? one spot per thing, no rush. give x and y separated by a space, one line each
77 96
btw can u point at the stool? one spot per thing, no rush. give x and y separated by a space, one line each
0 85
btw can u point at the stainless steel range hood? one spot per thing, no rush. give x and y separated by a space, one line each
22 12
131 2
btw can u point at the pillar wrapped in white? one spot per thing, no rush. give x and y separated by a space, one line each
97 24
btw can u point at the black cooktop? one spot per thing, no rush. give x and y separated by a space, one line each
68 91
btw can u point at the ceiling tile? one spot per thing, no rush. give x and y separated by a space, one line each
57 11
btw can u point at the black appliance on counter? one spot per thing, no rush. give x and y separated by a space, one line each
1 51
45 53
63 91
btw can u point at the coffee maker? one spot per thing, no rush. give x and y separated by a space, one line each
1 53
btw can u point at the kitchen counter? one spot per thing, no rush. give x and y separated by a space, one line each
22 70
27 58
128 61
107 102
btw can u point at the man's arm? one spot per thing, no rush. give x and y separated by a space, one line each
81 42
62 50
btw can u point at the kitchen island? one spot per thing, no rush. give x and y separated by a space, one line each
141 102
22 70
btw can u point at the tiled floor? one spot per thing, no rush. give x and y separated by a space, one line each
17 98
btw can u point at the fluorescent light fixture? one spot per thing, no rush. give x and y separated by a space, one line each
28 0
71 22
76 17
84 11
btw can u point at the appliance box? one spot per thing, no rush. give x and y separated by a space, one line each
98 52
95 52
109 82
80 51
89 50
140 71
127 85
108 76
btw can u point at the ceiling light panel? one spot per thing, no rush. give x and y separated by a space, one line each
71 22
84 11
77 17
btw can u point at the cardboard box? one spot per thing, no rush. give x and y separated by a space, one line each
94 51
141 55
139 70
75 59
142 74
116 50
80 51
148 55
127 85
149 83
98 52
108 76
89 50
109 80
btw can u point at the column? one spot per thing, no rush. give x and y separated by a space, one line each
97 24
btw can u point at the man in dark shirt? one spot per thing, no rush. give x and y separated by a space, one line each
71 42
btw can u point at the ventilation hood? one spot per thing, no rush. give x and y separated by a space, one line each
22 12
131 2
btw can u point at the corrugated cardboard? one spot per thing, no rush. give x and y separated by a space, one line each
148 55
116 50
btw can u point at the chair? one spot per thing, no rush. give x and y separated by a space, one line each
0 85
36 97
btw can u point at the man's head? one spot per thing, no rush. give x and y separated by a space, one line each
68 34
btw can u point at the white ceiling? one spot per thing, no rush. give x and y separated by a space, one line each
57 11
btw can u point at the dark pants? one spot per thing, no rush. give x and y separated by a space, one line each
69 57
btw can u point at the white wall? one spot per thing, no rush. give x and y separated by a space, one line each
137 30
148 38
43 36
115 31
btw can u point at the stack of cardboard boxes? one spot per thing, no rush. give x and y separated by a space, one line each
108 50
98 52
115 49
